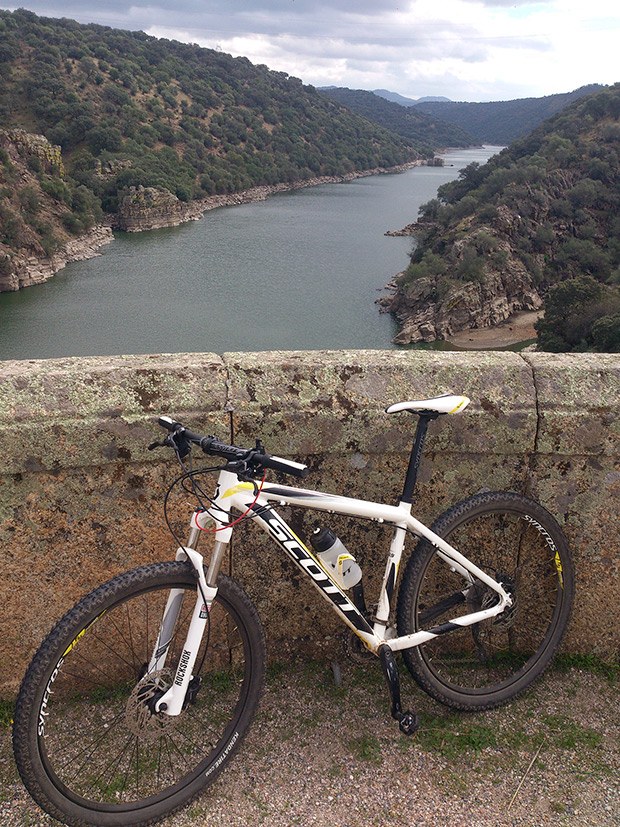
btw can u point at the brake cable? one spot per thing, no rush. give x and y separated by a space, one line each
238 520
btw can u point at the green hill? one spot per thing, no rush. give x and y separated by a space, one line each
540 222
501 122
425 132
129 110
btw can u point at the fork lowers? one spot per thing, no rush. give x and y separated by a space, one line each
407 721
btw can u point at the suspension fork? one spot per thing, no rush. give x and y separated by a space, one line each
171 702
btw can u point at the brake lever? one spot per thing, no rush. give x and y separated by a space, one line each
238 466
156 444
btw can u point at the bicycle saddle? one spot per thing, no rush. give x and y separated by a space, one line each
448 403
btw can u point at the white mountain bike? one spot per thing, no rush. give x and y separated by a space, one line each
141 694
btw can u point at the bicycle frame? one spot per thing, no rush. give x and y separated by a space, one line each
235 494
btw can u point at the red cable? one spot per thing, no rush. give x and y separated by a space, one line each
230 525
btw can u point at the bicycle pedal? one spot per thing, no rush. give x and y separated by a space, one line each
408 723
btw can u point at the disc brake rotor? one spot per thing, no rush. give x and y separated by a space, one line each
140 715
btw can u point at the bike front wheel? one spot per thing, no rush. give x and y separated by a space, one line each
519 544
88 743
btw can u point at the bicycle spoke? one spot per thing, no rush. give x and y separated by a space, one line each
116 653
103 744
114 767
131 649
148 654
179 752
94 665
107 727
88 757
195 744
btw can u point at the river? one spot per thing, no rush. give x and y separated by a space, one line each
299 271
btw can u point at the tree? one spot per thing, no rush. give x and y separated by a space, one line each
571 310
606 334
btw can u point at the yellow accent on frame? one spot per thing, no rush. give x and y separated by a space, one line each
236 489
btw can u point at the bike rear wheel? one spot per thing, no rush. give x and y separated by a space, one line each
518 543
88 746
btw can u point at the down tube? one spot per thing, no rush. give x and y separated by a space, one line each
277 528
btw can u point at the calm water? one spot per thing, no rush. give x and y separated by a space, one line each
300 270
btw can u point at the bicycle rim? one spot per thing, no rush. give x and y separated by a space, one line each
520 545
99 743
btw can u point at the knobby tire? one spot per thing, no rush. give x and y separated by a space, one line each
87 746
517 542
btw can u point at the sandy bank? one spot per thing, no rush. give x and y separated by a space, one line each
517 328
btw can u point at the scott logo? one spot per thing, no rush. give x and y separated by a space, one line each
280 533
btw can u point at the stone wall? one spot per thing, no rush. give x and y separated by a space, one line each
80 495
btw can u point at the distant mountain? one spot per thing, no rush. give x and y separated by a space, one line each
429 98
426 133
500 122
396 98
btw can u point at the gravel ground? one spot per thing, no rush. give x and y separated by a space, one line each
321 755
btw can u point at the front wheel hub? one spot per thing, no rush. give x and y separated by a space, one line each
140 715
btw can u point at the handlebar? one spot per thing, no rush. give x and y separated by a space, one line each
252 458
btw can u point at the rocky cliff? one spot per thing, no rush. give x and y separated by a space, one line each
426 313
538 220
28 270
42 221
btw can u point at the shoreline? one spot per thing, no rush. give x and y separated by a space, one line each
31 270
195 210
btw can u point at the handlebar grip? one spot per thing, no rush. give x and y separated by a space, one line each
168 423
172 426
296 469
212 445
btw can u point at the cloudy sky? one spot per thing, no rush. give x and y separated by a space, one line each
475 50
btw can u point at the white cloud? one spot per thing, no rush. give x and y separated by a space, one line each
464 49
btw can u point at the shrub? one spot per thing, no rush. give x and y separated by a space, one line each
606 334
471 266
72 223
57 189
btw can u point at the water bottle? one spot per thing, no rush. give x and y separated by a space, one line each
335 558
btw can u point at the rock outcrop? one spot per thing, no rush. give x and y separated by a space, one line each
27 270
150 208
426 316
35 242
28 145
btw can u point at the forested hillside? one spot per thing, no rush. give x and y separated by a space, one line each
538 224
500 122
129 110
426 132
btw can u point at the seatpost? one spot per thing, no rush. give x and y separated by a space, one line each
416 455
